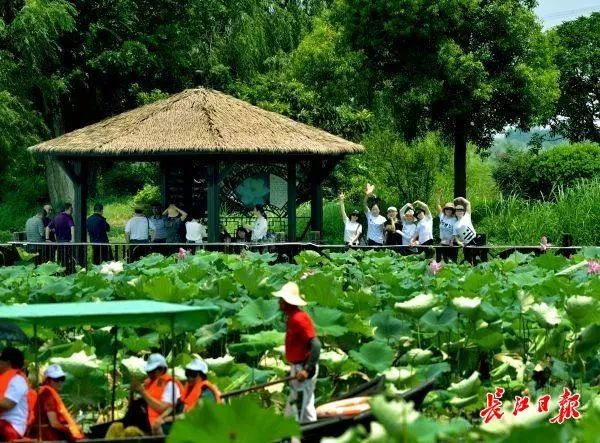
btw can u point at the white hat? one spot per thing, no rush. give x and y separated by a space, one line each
290 292
54 371
198 364
392 208
155 361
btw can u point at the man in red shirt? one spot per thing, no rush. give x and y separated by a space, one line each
302 349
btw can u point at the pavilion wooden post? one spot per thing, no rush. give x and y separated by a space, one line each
291 200
316 196
213 191
80 169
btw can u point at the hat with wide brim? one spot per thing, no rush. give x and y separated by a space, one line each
198 365
155 361
290 292
449 205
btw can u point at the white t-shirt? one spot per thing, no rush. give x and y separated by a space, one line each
259 231
351 229
137 228
425 229
408 232
446 228
375 227
464 229
167 396
194 231
16 391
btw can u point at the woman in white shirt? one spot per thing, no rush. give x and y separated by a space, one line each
352 227
195 231
375 220
261 225
464 233
447 221
424 231
409 227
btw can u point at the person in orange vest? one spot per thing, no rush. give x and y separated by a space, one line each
302 350
54 422
160 391
196 390
14 395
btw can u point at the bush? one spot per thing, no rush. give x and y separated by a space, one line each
515 221
148 195
126 178
536 176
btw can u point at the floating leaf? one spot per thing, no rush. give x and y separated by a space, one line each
418 305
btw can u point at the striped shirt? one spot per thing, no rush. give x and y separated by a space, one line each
34 229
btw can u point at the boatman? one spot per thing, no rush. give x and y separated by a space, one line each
159 391
302 349
14 392
56 421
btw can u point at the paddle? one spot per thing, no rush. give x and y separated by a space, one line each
256 387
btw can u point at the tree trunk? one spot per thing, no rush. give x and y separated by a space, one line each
60 186
460 160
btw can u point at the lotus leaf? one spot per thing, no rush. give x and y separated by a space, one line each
467 387
418 305
546 315
467 306
375 356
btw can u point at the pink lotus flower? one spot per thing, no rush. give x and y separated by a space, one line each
182 254
593 267
435 267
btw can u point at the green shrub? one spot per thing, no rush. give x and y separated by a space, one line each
512 220
126 178
147 195
536 176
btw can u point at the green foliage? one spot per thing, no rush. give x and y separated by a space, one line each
577 57
148 195
125 178
241 421
515 221
536 176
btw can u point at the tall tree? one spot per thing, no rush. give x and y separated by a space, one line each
466 67
578 60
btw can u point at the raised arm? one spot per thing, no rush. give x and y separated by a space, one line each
369 188
403 209
423 206
183 215
463 201
438 201
343 207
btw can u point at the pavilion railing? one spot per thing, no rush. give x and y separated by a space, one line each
72 255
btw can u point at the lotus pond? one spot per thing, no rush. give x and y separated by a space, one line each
530 325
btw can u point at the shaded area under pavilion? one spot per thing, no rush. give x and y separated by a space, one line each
216 154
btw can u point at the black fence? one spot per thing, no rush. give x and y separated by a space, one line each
72 255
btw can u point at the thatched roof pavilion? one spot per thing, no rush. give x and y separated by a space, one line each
205 126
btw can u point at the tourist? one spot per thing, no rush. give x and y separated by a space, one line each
157 225
54 420
49 251
160 391
392 226
409 227
261 225
375 220
137 232
424 230
352 226
464 233
14 395
63 228
195 231
98 229
175 217
241 234
447 221
35 233
196 390
302 350
48 218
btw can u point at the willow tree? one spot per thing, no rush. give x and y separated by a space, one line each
466 67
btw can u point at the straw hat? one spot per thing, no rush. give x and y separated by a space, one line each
449 205
290 292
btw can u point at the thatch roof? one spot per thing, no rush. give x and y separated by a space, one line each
197 121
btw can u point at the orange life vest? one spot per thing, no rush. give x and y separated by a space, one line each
31 394
31 402
156 388
63 414
191 394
